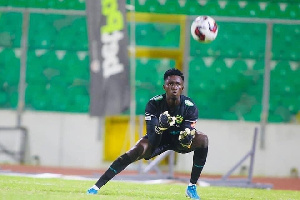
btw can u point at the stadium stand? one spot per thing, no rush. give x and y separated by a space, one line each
228 72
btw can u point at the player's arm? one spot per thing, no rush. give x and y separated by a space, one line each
188 132
156 123
160 124
187 135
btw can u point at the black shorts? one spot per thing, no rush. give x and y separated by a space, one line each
168 142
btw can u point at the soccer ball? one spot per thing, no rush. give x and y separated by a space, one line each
204 29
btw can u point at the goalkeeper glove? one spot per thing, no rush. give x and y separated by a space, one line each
164 122
186 137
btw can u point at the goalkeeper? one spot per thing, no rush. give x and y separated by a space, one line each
170 120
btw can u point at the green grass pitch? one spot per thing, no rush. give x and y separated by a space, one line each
15 187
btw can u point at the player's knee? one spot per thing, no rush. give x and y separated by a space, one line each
205 140
202 139
136 152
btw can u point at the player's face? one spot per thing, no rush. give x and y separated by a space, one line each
173 86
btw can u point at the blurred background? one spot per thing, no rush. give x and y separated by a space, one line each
248 77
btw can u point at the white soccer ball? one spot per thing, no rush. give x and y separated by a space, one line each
204 29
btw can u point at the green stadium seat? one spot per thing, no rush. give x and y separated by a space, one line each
5 39
209 8
172 7
222 75
8 96
291 103
35 68
147 35
251 9
292 11
149 79
79 29
254 114
149 6
32 91
57 97
232 8
9 67
10 29
195 65
81 103
44 39
280 114
72 33
39 3
77 5
63 39
239 67
200 75
168 35
3 99
41 31
58 102
12 75
273 10
13 98
288 34
230 116
4 3
3 96
67 4
78 100
40 103
18 3
192 8
58 4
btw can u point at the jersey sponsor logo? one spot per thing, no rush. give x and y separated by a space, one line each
157 98
188 103
174 132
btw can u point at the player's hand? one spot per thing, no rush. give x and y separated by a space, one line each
165 121
186 137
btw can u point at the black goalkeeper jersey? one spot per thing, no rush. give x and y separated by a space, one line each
186 115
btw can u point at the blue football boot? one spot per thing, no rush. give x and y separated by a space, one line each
191 192
92 191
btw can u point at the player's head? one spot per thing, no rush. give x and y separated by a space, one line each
173 71
173 84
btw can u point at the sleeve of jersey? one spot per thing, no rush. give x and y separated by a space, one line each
151 117
151 122
191 118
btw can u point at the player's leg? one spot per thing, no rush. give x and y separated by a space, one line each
200 148
137 152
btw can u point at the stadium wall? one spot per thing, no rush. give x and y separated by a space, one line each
74 140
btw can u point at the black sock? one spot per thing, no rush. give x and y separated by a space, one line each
199 160
116 167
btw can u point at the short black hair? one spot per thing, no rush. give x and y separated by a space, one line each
173 71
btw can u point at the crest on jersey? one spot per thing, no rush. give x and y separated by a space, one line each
188 103
178 119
